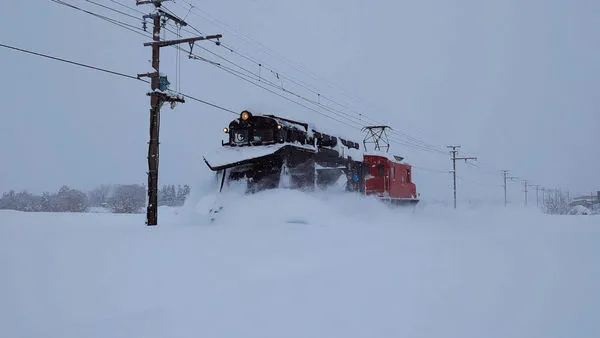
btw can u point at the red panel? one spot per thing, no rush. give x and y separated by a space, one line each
394 181
400 181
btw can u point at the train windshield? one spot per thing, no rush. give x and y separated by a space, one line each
262 135
253 135
240 136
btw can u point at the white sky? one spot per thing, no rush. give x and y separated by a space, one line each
514 82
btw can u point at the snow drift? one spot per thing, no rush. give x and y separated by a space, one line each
289 264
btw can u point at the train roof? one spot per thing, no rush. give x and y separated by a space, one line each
344 149
388 156
309 128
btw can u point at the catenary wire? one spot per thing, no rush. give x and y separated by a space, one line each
109 72
124 25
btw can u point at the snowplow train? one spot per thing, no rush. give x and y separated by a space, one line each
270 152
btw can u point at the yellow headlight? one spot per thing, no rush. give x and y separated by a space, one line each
245 115
225 130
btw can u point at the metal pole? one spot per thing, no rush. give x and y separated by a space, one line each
454 175
505 172
454 158
525 182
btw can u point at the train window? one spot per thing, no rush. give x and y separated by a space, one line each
381 170
240 136
262 135
407 175
393 173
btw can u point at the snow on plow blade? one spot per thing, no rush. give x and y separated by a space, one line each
230 157
281 165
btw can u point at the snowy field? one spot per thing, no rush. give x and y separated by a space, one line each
286 264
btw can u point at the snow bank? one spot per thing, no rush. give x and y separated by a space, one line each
580 210
288 264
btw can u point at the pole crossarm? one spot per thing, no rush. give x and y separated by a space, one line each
175 42
164 97
156 3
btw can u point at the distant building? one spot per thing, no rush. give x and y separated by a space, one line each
586 200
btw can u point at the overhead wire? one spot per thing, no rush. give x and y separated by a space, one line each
252 76
106 70
270 83
122 24
127 6
250 80
253 81
112 9
300 83
337 112
71 62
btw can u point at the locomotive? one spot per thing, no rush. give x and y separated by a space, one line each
270 152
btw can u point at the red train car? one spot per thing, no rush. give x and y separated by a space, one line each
390 179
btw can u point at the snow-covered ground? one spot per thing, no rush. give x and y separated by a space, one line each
287 264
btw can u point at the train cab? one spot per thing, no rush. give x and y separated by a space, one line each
389 179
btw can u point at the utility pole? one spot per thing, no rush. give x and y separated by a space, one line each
543 195
159 95
454 158
525 184
506 177
537 197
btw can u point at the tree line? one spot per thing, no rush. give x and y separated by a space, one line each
126 198
557 202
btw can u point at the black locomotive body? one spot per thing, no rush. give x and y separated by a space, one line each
279 152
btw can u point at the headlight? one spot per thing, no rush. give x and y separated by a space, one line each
245 115
225 130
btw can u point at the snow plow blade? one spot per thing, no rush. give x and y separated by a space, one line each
239 156
279 166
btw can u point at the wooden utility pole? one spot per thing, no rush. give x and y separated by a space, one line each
537 196
525 185
454 158
506 177
159 95
543 195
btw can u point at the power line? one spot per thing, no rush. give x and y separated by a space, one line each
128 7
320 95
250 80
122 24
110 72
112 9
255 76
252 77
430 170
72 62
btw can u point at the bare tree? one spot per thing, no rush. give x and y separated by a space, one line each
556 202
127 199
69 200
99 196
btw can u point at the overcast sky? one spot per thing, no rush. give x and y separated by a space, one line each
514 82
